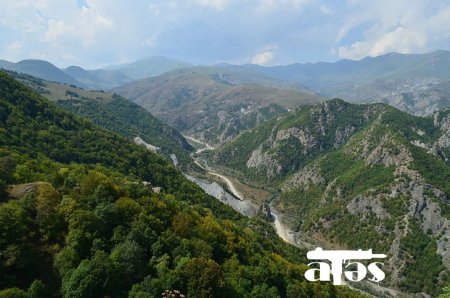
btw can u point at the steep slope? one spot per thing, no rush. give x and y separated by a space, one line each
413 83
211 103
41 69
90 228
114 113
359 176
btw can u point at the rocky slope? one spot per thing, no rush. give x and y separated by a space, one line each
211 103
418 96
359 176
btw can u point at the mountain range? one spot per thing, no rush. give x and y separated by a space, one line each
416 83
41 69
212 103
366 176
99 79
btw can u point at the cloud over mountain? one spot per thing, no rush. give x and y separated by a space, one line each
98 32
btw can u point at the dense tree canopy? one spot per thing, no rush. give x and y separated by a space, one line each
77 221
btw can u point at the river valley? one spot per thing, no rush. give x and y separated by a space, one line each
235 197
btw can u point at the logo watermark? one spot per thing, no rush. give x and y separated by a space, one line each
353 271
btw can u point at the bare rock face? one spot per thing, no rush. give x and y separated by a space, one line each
421 200
383 150
138 140
419 96
342 135
394 156
443 243
307 176
260 159
304 136
363 204
443 142
212 188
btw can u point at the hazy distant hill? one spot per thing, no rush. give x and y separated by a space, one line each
98 79
116 75
85 77
418 84
41 69
150 67
213 103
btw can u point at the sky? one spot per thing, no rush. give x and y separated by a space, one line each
96 33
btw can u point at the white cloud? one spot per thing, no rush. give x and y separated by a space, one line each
263 58
400 26
266 56
401 40
102 32
83 27
14 47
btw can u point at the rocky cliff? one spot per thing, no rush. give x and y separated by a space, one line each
359 177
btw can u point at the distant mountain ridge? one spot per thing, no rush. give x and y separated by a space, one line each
150 67
98 79
415 83
41 69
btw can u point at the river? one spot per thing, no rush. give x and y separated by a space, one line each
283 232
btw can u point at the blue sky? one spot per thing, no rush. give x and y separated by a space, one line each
95 33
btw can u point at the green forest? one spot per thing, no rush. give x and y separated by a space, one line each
77 221
114 113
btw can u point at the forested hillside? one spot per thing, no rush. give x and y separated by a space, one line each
115 113
77 221
358 176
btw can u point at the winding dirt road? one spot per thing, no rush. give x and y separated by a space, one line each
230 184
280 228
207 146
